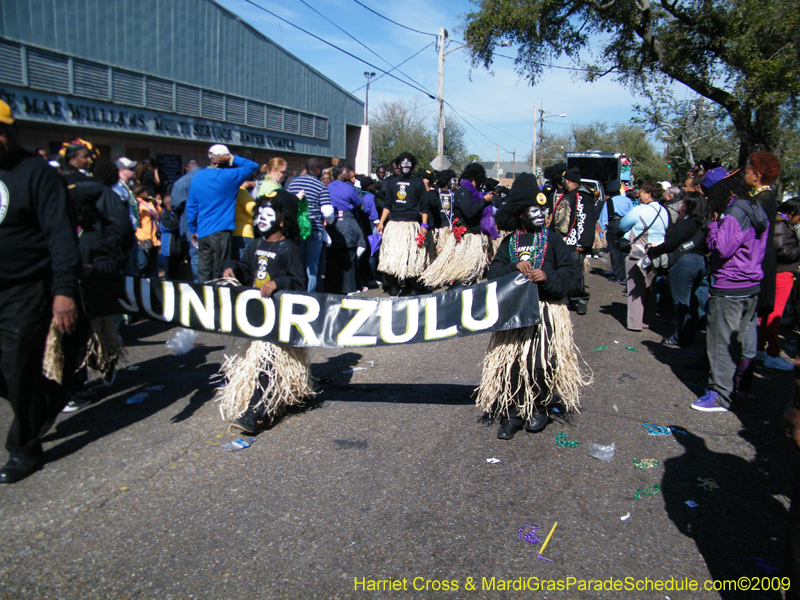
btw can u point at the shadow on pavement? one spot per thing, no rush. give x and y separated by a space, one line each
174 373
740 519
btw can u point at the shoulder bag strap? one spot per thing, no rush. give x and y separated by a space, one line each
653 222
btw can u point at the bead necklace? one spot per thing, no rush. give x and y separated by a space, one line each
758 190
538 250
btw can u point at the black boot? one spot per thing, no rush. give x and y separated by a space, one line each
250 422
508 427
537 422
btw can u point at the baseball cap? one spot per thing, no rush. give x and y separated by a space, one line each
713 176
126 163
218 150
6 116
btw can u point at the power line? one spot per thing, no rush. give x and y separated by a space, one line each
393 68
486 123
395 22
332 45
539 64
355 39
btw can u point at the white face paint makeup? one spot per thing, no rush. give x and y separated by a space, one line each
265 218
405 165
536 215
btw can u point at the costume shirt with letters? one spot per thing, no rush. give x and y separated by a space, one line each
406 198
265 261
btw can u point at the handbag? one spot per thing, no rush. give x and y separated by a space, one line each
624 245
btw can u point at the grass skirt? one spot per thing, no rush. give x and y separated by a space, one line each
440 237
516 356
104 349
53 363
399 254
288 380
463 261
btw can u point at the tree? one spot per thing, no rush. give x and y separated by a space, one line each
691 129
400 127
455 148
742 55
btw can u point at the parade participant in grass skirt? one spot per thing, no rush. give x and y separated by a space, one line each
405 250
265 379
526 368
440 208
465 255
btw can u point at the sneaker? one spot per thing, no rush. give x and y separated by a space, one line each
581 309
761 355
110 376
672 342
76 403
777 363
709 403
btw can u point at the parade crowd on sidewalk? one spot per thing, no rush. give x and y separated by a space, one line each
719 254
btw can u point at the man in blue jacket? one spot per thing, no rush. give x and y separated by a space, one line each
211 206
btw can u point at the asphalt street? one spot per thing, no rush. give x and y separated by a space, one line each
384 476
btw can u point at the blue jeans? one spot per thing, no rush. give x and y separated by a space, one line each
687 281
311 249
194 258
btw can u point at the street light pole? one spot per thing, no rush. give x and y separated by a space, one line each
440 137
533 161
369 76
542 117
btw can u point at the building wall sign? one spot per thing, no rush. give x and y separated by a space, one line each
29 105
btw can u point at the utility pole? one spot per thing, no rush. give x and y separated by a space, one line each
498 161
440 139
369 76
514 167
541 133
533 161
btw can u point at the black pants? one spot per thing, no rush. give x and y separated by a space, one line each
25 315
579 295
340 271
212 251
617 258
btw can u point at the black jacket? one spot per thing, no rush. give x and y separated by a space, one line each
786 247
559 265
38 236
581 228
110 206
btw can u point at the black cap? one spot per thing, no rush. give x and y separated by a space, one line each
572 174
287 200
424 174
612 187
524 191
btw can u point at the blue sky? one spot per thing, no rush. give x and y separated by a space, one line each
496 107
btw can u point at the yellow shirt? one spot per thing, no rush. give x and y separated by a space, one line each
245 210
149 219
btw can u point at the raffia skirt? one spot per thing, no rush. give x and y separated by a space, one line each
527 368
399 254
461 261
287 382
104 349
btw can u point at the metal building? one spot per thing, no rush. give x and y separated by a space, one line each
167 78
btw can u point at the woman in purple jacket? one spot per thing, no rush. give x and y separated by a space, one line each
737 239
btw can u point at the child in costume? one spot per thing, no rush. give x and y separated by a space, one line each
404 251
526 368
265 379
466 254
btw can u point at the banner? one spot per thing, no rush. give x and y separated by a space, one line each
318 320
